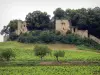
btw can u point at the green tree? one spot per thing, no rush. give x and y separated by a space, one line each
58 54
93 21
41 51
10 28
7 54
59 13
37 20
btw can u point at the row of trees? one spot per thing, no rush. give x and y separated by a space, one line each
81 18
39 50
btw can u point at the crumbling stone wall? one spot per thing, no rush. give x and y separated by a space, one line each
94 38
82 33
21 27
62 26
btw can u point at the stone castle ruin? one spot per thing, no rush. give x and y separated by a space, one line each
21 28
63 26
82 33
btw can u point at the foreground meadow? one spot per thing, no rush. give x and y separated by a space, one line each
51 70
77 61
24 52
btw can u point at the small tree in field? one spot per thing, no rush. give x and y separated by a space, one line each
58 54
41 51
7 54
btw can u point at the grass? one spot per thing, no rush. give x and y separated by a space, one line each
25 61
24 52
51 70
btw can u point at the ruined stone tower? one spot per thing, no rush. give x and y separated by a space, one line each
63 26
21 28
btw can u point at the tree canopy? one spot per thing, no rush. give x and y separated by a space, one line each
37 20
82 18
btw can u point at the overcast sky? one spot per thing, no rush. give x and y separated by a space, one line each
18 9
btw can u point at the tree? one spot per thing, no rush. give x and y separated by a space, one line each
37 20
13 25
7 54
5 30
93 21
10 28
41 51
58 54
59 13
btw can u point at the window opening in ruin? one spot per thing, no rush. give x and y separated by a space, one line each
74 29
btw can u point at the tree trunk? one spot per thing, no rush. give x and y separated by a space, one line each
57 59
41 58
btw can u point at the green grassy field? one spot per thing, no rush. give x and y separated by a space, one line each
25 52
25 55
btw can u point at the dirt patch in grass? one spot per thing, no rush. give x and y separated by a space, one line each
55 63
62 47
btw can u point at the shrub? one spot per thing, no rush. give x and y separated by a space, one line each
7 54
28 38
47 37
58 32
58 54
13 36
71 39
41 51
68 32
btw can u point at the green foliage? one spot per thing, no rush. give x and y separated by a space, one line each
13 36
7 54
59 13
90 43
41 51
26 38
37 20
47 37
82 18
51 70
59 54
71 39
52 37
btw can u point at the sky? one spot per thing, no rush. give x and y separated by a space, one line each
18 9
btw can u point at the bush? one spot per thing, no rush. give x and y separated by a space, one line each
90 43
47 37
7 54
13 36
58 33
71 39
58 54
28 38
41 51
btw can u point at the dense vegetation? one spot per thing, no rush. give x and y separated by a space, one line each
51 70
52 37
81 18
